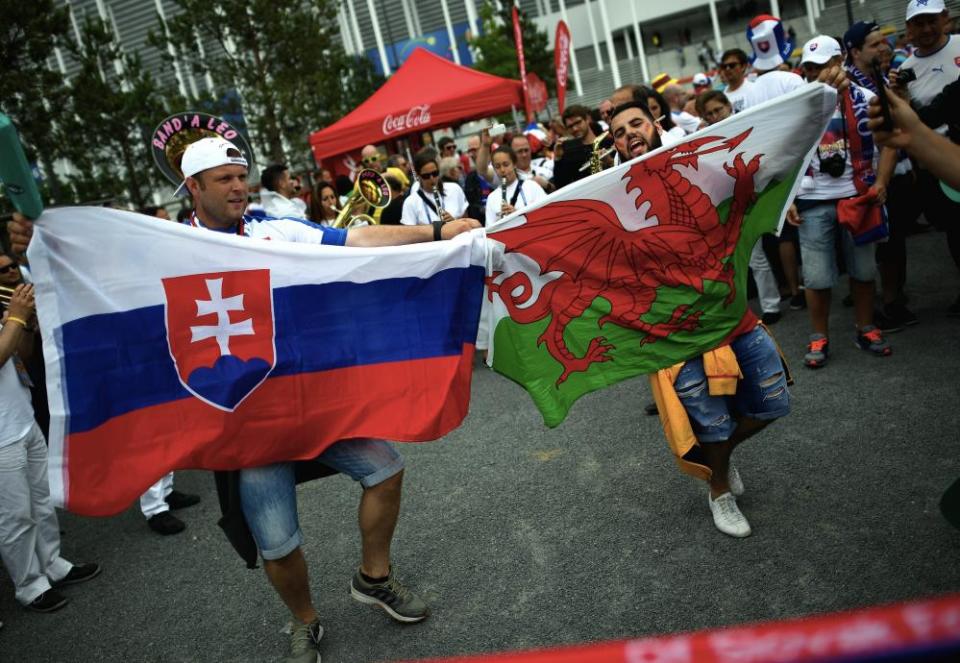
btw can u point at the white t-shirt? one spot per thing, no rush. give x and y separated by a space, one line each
689 123
543 167
766 87
280 206
934 71
16 411
416 212
738 97
289 230
530 193
821 186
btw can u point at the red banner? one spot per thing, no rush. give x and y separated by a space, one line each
906 632
537 92
518 38
561 62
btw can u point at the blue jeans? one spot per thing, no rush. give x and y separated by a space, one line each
818 236
761 394
268 494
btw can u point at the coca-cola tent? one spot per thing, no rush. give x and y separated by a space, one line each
427 91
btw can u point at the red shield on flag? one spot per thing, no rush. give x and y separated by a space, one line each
220 332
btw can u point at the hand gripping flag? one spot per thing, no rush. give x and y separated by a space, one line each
644 265
170 347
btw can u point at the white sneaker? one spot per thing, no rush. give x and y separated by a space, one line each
727 517
736 483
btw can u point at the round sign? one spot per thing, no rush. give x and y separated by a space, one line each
171 137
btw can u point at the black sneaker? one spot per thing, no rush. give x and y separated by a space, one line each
798 301
900 314
177 500
770 318
886 324
166 523
391 595
79 573
50 601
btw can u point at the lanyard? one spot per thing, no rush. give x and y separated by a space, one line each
195 222
426 202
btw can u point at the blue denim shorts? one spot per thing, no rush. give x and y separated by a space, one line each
818 236
268 494
761 394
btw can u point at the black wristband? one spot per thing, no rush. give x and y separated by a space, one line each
437 225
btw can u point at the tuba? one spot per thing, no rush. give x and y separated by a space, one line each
370 190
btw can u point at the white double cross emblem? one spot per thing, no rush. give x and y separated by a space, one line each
224 329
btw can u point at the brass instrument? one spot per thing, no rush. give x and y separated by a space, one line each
369 189
595 163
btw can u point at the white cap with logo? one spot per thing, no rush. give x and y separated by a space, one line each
820 50
205 154
918 7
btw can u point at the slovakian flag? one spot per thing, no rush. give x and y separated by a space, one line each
169 347
644 265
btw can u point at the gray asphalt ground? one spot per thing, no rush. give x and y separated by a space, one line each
523 537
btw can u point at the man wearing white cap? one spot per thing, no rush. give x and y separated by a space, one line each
215 175
936 63
843 171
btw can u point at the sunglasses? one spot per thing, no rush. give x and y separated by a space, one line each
7 268
430 176
375 159
730 65
449 147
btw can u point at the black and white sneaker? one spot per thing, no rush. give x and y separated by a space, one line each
304 642
79 573
50 601
391 595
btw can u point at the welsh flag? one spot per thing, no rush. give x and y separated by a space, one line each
644 265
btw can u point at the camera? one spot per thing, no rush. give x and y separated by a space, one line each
905 76
833 165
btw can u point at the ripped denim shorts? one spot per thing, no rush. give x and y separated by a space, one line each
761 394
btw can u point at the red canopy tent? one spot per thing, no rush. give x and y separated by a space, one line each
426 91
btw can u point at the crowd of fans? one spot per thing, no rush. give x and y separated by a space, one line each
495 175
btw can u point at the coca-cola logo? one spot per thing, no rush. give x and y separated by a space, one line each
417 116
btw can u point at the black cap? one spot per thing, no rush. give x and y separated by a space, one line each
857 34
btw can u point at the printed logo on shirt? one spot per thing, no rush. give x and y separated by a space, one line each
938 69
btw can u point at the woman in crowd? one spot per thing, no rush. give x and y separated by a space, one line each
661 110
514 193
323 204
421 207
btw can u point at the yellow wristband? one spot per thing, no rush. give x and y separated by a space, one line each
13 318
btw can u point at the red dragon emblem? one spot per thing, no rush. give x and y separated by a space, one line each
596 256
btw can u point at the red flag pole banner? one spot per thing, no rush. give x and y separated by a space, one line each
169 348
518 38
561 62
537 91
916 631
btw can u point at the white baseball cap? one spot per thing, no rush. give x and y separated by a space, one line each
820 50
205 154
918 7
700 80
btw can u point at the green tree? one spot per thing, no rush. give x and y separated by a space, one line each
285 60
32 93
113 108
496 47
